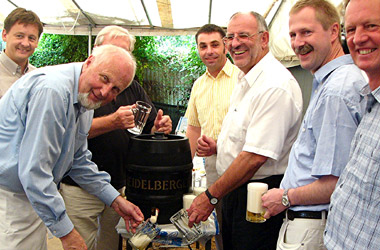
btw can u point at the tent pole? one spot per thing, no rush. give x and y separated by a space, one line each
89 39
209 12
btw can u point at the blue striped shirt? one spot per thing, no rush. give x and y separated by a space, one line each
354 216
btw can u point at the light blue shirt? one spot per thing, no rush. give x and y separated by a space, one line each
323 143
43 137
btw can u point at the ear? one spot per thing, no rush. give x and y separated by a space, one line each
88 62
264 40
4 35
334 29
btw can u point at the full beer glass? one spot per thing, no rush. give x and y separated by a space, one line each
255 210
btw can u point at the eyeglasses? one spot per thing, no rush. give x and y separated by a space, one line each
242 37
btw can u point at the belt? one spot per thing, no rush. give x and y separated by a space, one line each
304 214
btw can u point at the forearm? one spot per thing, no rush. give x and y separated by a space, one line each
101 125
242 169
193 133
318 192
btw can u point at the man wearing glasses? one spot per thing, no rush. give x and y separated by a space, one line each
256 136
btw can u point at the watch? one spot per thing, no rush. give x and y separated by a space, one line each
285 199
213 200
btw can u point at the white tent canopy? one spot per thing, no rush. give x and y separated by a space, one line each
156 17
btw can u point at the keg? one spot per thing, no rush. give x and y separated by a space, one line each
159 172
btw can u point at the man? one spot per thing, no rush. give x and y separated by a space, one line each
22 30
210 97
256 136
43 131
353 221
322 147
108 143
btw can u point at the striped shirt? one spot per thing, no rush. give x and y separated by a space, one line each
354 216
210 99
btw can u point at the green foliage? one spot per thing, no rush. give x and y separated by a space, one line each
170 56
58 49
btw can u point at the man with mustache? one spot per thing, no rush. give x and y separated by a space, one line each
321 150
210 98
43 137
353 221
257 132
22 30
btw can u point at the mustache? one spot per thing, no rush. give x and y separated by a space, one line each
304 49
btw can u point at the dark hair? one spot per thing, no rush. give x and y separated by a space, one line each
210 28
21 15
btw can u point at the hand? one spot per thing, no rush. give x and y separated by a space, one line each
206 146
272 201
131 213
200 209
123 117
73 241
162 123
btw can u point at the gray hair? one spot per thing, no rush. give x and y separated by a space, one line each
115 31
108 51
261 23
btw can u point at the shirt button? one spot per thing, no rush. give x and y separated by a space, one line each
341 185
303 129
55 231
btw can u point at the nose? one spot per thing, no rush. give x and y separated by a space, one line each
209 50
235 42
297 41
105 90
360 36
25 42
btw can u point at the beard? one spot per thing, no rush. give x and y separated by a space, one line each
85 102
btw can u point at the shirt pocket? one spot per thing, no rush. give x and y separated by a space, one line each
371 178
237 129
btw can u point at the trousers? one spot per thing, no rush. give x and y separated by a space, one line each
302 233
93 219
20 226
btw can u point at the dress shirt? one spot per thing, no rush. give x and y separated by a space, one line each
263 118
109 150
323 143
10 72
43 136
354 216
210 99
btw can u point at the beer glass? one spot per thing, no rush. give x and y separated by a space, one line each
181 222
255 210
141 114
144 235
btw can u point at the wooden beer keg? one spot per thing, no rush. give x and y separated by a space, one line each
159 172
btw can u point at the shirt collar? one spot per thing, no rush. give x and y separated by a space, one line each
77 73
322 74
11 66
227 70
256 71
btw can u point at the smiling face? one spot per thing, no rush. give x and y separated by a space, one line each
103 77
311 43
246 54
362 23
212 51
22 40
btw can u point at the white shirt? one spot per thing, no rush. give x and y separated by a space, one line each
264 117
